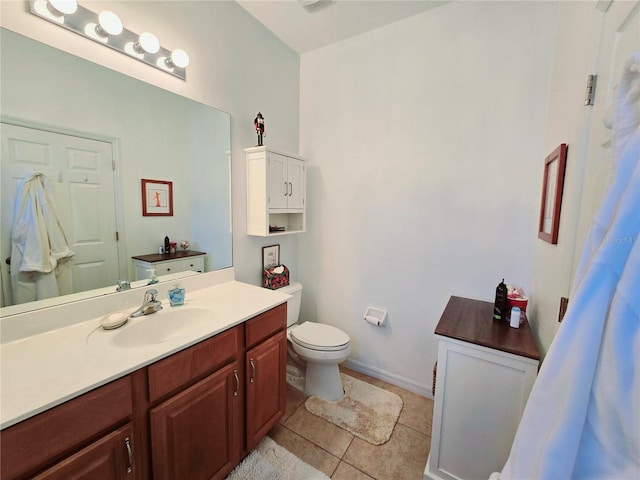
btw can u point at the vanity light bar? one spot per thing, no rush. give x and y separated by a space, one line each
106 29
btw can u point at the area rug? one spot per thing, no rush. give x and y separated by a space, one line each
367 411
270 461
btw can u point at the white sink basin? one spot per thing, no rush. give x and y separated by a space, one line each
156 327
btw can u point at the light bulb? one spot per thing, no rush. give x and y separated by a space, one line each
179 58
63 7
148 42
108 24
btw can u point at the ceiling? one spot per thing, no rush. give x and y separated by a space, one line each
306 25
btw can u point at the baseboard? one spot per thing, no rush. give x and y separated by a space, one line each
397 380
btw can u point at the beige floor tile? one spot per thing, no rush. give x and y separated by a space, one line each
362 376
347 472
417 411
403 457
305 450
325 434
295 399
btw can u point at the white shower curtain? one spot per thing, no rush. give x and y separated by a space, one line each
582 420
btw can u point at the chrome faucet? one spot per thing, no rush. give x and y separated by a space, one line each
123 285
150 304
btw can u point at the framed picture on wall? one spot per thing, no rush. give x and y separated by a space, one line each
551 201
270 256
157 198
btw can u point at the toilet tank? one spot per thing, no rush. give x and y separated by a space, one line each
293 304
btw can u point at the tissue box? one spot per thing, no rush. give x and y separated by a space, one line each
275 277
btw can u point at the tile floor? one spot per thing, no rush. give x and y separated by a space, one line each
343 456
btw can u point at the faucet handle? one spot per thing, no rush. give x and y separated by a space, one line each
151 295
123 285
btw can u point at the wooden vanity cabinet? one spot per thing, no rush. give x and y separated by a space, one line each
82 438
110 458
192 415
196 432
265 371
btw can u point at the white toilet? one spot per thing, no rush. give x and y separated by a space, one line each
314 351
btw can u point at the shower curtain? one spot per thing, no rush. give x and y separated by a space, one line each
582 420
40 253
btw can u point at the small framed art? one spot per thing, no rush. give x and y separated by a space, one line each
551 201
157 198
270 256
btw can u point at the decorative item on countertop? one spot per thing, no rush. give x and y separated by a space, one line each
275 277
501 304
172 247
152 277
184 244
176 295
517 298
167 244
258 123
514 321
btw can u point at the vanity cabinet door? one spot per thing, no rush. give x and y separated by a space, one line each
195 434
266 386
110 458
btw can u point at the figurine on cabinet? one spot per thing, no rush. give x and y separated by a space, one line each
258 123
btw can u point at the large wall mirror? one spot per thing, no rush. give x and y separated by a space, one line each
95 134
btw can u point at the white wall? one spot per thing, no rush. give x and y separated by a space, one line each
566 123
425 141
236 65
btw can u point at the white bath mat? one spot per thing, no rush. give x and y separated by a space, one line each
367 411
270 461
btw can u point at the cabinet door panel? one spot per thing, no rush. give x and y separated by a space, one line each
295 177
266 386
193 434
105 459
278 186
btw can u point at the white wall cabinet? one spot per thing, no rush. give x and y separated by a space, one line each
276 188
164 264
485 373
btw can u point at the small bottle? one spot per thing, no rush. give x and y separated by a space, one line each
167 244
176 295
514 321
152 277
501 305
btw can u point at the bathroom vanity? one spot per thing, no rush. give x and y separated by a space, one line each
167 263
485 372
190 406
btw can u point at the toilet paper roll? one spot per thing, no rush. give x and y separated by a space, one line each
372 320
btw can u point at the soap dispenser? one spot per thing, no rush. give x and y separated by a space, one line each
176 295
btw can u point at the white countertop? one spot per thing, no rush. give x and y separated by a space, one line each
44 370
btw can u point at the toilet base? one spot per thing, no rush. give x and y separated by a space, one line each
295 378
323 381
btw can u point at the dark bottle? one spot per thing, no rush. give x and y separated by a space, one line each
501 305
166 244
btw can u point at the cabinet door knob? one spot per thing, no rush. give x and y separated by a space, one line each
127 443
253 370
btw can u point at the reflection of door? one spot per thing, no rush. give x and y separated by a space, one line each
80 172
620 39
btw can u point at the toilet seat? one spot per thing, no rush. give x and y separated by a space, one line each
321 337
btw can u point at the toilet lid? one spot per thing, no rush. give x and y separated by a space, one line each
318 336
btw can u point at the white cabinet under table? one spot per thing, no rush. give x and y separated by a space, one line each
485 372
165 263
276 188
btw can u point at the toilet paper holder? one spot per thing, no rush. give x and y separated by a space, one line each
375 316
